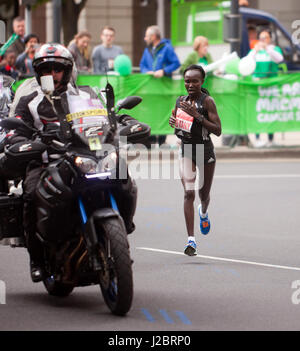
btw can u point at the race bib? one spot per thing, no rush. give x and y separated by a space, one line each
184 121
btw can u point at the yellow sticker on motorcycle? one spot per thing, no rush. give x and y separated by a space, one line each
87 113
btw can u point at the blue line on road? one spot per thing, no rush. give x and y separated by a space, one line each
217 270
167 318
148 315
184 319
233 271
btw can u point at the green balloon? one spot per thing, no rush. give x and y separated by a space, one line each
122 65
232 67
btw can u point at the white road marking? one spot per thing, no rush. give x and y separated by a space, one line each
256 176
223 259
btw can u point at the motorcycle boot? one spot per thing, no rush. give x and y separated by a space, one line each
36 272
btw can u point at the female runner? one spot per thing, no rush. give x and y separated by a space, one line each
194 118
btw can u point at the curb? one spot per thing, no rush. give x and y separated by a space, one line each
238 152
246 152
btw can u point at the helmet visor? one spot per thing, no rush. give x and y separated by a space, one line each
51 67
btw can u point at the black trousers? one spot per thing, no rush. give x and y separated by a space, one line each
34 246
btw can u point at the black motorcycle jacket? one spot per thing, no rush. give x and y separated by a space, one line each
37 109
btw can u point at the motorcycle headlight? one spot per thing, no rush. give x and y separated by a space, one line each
109 162
86 165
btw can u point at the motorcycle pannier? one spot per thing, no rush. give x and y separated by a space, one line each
11 214
20 154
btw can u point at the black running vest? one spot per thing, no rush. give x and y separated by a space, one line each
199 134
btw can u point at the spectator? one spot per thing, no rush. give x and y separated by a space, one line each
252 36
8 68
267 57
159 58
104 54
200 54
79 48
18 46
24 60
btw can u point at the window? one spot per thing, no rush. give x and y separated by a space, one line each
192 18
285 44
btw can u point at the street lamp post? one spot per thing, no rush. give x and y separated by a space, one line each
28 18
56 6
232 29
235 26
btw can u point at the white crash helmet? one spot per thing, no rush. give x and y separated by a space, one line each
51 56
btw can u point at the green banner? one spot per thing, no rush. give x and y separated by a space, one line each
264 106
159 96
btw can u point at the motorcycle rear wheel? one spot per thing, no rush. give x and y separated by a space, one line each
116 281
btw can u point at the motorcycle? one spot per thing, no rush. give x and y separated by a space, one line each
6 83
78 222
6 97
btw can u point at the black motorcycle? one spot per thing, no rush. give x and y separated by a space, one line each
78 221
6 97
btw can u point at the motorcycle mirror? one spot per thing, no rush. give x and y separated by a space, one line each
129 102
13 123
110 99
110 96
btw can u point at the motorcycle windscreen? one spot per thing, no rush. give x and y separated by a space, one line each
5 94
89 120
6 81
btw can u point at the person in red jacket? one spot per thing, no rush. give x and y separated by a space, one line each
8 64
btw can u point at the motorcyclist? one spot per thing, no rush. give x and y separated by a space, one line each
37 109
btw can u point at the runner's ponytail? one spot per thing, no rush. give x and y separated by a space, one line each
205 91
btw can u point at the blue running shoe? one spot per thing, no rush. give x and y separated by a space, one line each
190 248
204 222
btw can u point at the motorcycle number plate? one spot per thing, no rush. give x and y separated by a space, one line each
95 144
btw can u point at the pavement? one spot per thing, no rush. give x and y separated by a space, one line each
285 145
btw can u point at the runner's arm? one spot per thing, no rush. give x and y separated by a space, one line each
213 123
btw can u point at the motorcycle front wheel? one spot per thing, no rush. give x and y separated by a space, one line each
115 277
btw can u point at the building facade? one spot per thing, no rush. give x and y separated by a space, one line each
130 18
